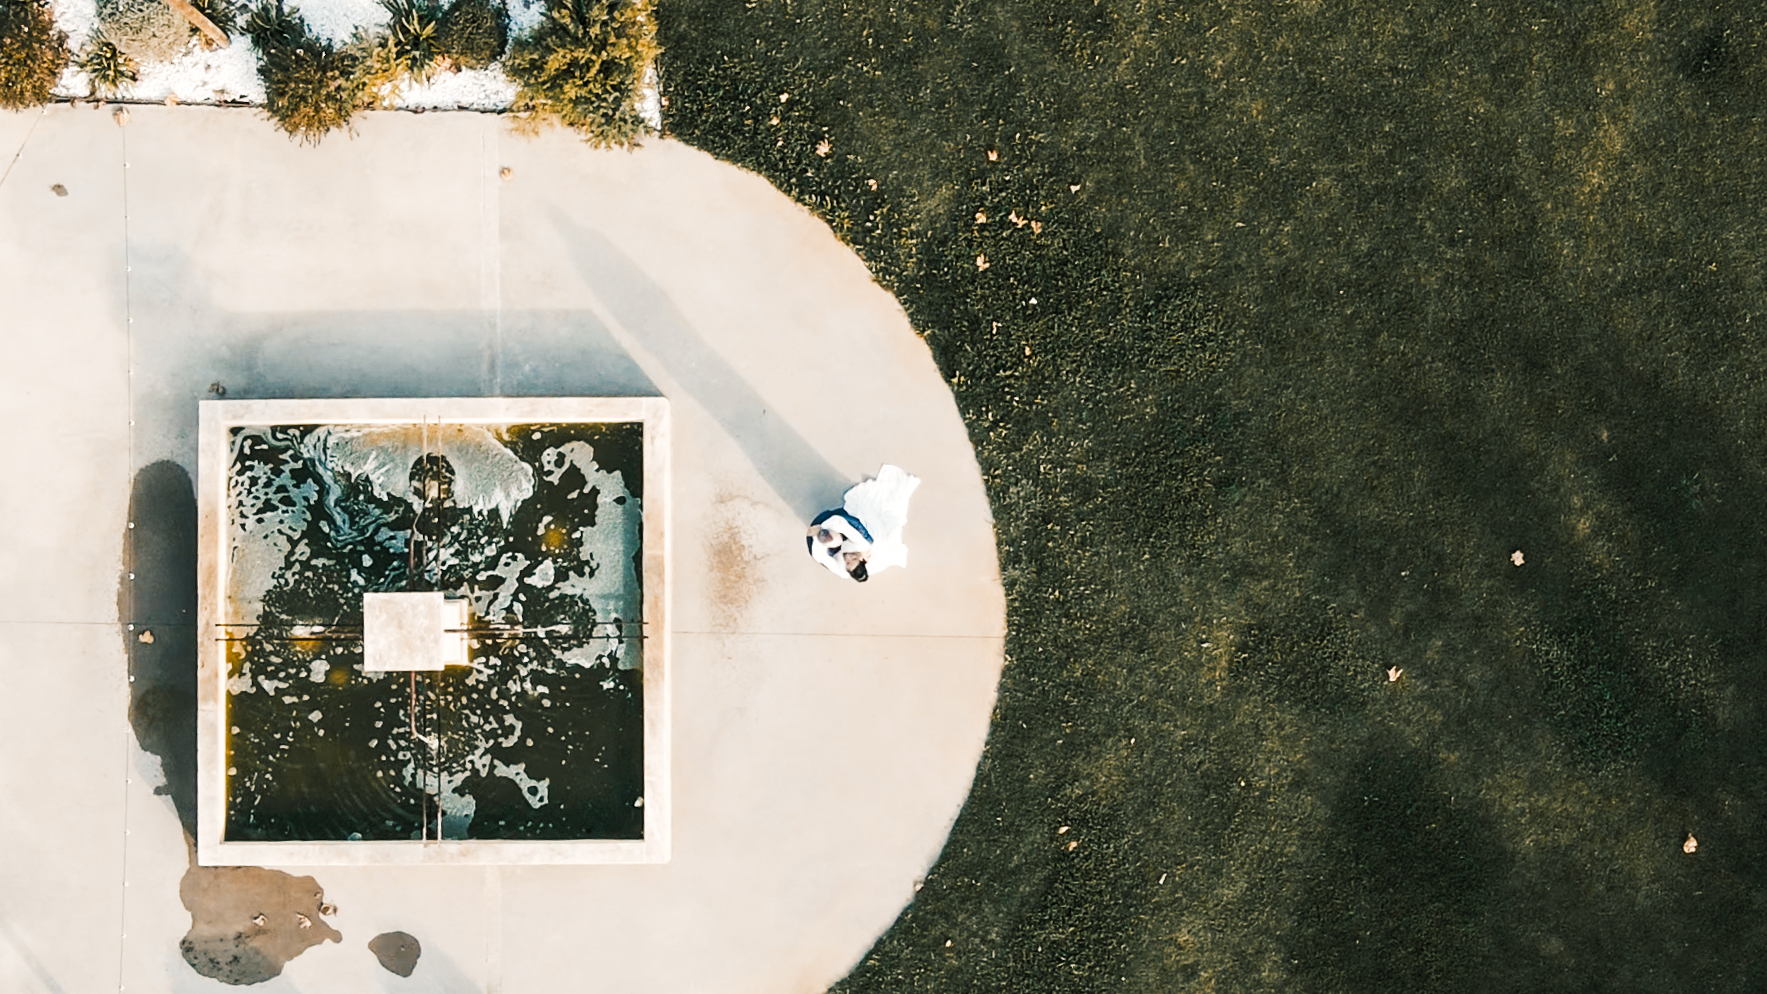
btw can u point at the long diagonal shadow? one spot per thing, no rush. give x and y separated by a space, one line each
798 473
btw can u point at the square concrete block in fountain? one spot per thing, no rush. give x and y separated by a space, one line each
413 630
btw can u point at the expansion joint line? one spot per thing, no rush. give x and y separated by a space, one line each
21 146
129 551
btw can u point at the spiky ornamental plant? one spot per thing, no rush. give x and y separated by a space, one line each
408 48
223 14
310 86
108 68
32 53
584 67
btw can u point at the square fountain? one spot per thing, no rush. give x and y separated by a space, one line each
433 631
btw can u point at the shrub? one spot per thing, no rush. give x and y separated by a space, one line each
144 30
474 32
408 48
32 53
583 67
108 68
310 86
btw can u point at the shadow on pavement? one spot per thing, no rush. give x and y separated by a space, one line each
798 473
184 343
246 922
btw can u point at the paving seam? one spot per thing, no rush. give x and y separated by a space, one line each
129 550
22 622
21 146
491 242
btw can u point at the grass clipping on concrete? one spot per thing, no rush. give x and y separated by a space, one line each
33 51
583 68
1280 330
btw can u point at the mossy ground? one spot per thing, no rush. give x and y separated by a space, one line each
1278 328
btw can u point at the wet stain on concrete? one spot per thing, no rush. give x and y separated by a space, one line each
397 951
246 923
733 560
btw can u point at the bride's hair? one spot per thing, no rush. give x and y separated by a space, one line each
859 573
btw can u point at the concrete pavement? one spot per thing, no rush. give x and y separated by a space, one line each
825 733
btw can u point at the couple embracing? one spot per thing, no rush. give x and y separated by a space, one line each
865 533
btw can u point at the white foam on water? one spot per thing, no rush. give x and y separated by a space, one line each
536 792
457 809
262 528
493 603
487 475
612 584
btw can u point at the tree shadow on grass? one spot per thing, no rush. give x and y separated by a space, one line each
1403 887
1625 645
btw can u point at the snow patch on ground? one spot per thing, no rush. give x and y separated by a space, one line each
202 76
472 89
337 21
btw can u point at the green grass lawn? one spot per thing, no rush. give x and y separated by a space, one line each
1279 328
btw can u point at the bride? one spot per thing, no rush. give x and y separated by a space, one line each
865 532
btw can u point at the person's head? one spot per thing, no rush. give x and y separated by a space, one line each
857 571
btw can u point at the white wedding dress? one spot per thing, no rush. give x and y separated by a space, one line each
881 505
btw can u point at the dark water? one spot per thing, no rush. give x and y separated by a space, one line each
541 738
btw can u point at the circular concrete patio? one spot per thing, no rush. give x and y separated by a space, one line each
825 733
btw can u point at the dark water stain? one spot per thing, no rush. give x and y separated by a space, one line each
246 923
159 552
397 951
